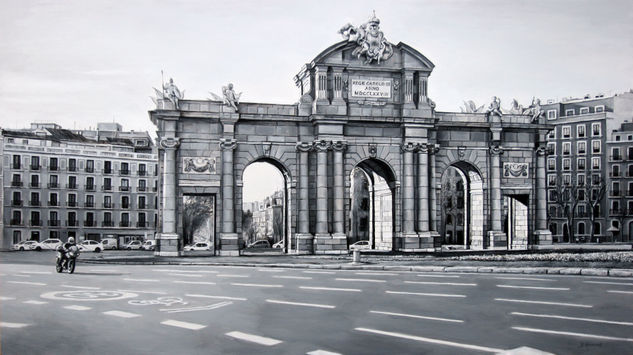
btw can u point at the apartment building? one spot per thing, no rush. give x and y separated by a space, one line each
620 196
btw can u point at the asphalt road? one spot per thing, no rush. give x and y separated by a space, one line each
152 309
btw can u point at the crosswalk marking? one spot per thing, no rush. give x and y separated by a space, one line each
571 318
360 280
440 283
581 335
77 308
254 338
316 305
35 302
536 287
121 314
330 289
544 302
418 316
186 325
217 297
27 283
255 285
12 325
426 294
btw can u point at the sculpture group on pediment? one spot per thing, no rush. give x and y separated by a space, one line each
169 92
229 97
494 109
371 41
535 110
471 107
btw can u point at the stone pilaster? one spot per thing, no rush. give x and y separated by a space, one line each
304 238
496 236
433 190
338 87
410 240
423 188
320 77
228 237
407 90
168 241
338 229
542 234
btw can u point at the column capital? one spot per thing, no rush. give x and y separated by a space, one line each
496 150
322 145
228 143
424 148
541 150
339 146
409 147
170 143
304 146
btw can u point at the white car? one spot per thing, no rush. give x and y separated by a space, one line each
48 244
360 245
91 245
25 245
149 245
198 246
259 244
278 245
109 243
135 244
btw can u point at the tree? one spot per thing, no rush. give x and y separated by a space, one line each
566 197
197 211
620 214
247 226
595 190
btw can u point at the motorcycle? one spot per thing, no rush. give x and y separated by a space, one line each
68 263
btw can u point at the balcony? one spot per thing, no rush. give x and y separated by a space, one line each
142 173
72 168
142 224
106 187
124 188
16 203
142 206
107 171
16 183
53 203
71 186
15 166
108 205
615 193
615 211
91 187
34 167
71 203
125 205
53 185
15 222
34 185
90 224
53 168
34 203
53 222
615 157
89 204
615 174
141 188
124 172
107 224
72 223
90 170
124 224
35 222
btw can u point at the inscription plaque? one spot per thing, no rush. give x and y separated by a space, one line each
371 88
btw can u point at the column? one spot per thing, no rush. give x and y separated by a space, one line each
229 239
339 191
496 236
408 207
408 89
542 234
423 188
320 77
168 240
433 190
322 148
304 238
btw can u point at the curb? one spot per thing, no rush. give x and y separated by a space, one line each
373 267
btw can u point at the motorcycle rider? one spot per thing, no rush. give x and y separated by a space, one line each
65 248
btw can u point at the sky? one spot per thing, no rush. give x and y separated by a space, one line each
78 62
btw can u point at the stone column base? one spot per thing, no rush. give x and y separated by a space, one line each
543 237
229 244
167 244
330 244
498 240
305 244
413 242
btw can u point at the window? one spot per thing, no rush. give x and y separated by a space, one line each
567 179
615 191
90 219
595 163
582 212
551 180
72 182
16 218
551 114
16 162
584 110
617 138
142 185
53 181
125 202
551 164
630 153
142 169
551 148
566 148
17 198
35 181
615 154
598 109
630 172
90 166
580 131
53 220
142 220
52 199
35 163
569 112
17 237
107 219
72 164
35 198
107 201
596 146
596 227
125 219
90 200
125 185
107 184
566 131
552 195
552 134
16 180
125 169
581 179
580 164
107 167
90 183
581 148
35 218
567 164
615 171
141 202
615 207
53 164
581 227
595 129
72 200
581 195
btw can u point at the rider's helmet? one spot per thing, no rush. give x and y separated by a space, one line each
71 240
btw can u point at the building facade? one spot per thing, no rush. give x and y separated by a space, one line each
587 152
85 184
620 197
365 105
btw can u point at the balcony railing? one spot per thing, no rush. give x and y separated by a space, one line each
91 187
615 193
53 222
35 222
34 185
72 168
615 157
124 188
108 205
107 224
615 211
53 168
72 223
124 224
16 183
15 166
53 185
89 224
142 172
142 224
141 188
53 203
34 203
90 170
34 167
107 171
106 187
89 204
15 222
142 206
125 205
71 203
71 186
124 172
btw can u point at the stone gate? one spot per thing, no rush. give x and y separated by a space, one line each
364 104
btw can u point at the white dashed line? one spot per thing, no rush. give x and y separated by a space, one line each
571 318
618 291
37 272
77 308
316 305
3 298
322 352
186 271
148 292
194 282
185 275
377 273
34 302
12 325
536 288
431 340
581 335
319 272
20 275
293 277
232 275
121 314
360 280
217 297
103 270
608 283
186 325
27 283
522 278
271 270
439 283
141 280
418 316
197 308
426 294
545 302
330 289
82 287
254 338
255 285
440 276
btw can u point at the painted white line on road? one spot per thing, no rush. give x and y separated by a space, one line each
430 340
608 283
141 280
103 270
194 282
571 318
330 289
3 298
78 308
232 275
148 292
20 275
37 272
34 302
426 294
186 271
618 291
185 275
536 288
255 285
544 302
319 272
360 280
316 305
82 287
13 325
271 270
440 283
186 325
418 316
377 273
218 297
522 278
322 352
197 308
440 276
254 338
27 283
121 314
581 335
293 277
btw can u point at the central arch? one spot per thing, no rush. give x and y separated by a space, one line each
371 214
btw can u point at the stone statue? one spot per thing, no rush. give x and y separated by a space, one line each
494 108
516 108
171 92
534 110
229 97
371 41
471 107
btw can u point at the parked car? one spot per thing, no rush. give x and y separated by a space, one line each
90 245
48 244
259 244
25 245
360 245
278 245
149 245
198 246
135 244
109 243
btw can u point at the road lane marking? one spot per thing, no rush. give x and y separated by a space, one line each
34 302
148 292
316 305
440 276
194 282
608 283
186 325
27 283
185 275
418 316
618 291
254 338
440 283
255 285
186 271
426 294
13 325
218 297
293 277
545 302
104 270
82 287
571 318
522 278
360 280
121 314
377 273
330 289
322 352
37 272
319 272
196 308
77 308
3 298
232 275
271 270
142 280
536 287
581 335
20 275
430 340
